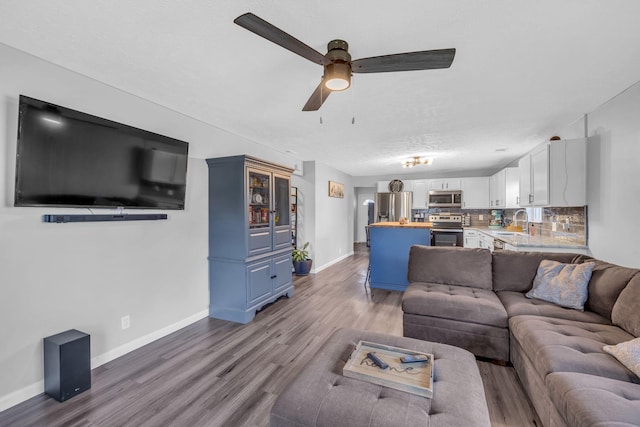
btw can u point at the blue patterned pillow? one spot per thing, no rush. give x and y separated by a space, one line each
566 285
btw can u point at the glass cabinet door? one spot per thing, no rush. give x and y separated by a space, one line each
259 199
281 199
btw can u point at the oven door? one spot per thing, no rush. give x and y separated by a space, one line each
446 237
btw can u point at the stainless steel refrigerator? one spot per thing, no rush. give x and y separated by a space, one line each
392 206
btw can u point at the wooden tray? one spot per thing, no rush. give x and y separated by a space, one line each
415 378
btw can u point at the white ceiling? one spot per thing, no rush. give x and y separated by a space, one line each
523 70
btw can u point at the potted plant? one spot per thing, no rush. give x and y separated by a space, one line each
301 260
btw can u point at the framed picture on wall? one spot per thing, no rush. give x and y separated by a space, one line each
336 190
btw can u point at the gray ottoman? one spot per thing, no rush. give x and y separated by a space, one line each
321 396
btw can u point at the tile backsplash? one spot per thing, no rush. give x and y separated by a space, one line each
568 222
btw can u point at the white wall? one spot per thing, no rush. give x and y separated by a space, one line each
613 184
334 217
329 221
306 206
88 275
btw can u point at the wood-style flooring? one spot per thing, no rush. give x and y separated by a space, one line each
218 373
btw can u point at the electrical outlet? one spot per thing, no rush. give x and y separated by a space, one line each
554 226
480 217
125 321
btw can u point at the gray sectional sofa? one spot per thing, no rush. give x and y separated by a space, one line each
476 300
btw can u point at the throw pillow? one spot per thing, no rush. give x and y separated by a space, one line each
566 285
628 353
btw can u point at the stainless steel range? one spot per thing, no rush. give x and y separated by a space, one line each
446 229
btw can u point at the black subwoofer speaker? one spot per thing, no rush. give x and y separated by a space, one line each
67 364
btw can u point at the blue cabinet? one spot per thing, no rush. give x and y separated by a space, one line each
249 236
389 257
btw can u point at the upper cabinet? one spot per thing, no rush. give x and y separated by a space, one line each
268 219
419 188
498 189
420 194
512 193
445 184
554 174
475 193
504 188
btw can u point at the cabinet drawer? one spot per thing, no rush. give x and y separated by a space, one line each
282 238
259 241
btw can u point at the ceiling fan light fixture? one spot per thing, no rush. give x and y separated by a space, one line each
337 76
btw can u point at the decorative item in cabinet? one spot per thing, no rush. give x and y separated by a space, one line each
294 215
259 192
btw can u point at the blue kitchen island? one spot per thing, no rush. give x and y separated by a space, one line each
389 257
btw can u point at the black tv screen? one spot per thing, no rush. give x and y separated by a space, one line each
66 158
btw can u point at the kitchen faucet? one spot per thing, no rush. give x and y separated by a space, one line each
526 215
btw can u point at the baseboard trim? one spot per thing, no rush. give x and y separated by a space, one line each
146 339
19 396
26 393
330 263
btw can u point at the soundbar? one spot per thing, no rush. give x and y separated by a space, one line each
99 218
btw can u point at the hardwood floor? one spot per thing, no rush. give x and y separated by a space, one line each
218 373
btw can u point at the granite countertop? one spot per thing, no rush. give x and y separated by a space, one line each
396 224
522 240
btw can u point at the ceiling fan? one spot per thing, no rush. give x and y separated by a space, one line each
337 63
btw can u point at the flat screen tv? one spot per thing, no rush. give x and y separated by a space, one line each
66 158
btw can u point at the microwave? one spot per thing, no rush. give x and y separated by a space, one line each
445 199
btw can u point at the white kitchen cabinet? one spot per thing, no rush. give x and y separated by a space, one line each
471 239
445 184
497 189
420 194
475 193
383 186
485 241
568 173
554 174
407 185
540 176
512 193
524 174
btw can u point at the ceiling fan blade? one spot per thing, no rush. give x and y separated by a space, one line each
264 29
317 98
424 60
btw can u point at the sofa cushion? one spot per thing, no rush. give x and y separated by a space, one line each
626 310
461 303
515 271
607 281
627 353
450 266
561 283
482 340
517 304
587 400
559 345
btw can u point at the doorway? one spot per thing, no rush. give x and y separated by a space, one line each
365 204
